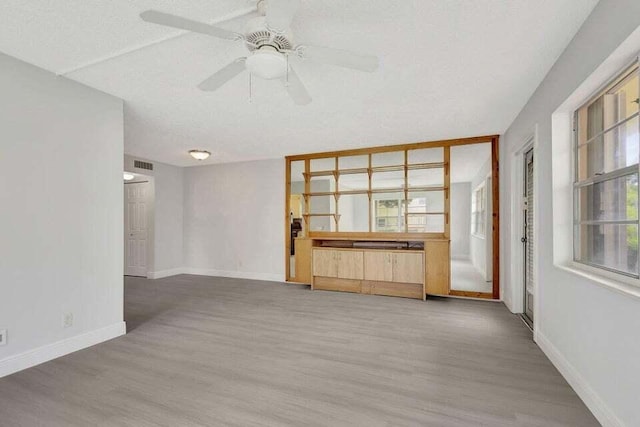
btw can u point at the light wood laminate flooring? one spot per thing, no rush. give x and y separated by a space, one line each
204 351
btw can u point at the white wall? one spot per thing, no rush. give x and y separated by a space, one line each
460 220
590 332
479 245
61 220
234 219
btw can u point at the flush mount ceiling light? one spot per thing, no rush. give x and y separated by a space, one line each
128 176
199 154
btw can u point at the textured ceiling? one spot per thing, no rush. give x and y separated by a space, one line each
449 68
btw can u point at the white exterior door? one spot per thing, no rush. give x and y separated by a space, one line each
136 206
527 239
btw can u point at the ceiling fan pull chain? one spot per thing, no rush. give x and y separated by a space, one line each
287 78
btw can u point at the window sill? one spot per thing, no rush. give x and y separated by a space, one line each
602 279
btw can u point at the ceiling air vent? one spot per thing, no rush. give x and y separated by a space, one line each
143 165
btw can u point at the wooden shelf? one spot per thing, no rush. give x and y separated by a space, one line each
374 169
353 192
415 166
388 190
426 213
353 171
427 188
391 168
319 173
320 193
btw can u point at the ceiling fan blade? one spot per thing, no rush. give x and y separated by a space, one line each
296 89
339 57
280 14
166 19
223 75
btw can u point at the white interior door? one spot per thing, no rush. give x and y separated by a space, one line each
136 234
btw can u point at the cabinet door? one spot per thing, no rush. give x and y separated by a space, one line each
408 267
351 265
378 266
437 266
325 263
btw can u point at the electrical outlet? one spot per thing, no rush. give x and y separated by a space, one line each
68 320
3 337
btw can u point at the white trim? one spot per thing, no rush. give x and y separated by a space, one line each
57 349
606 279
165 273
270 277
594 402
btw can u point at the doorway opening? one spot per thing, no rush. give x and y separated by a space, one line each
471 221
139 198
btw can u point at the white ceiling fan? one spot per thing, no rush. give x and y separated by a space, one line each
270 43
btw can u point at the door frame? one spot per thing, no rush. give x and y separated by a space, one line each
517 226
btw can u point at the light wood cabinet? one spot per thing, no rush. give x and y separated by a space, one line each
350 265
325 263
408 267
303 260
337 263
378 265
437 267
394 266
379 272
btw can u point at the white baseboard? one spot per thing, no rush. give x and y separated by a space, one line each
165 273
598 407
270 277
57 349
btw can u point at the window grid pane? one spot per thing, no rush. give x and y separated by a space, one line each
607 141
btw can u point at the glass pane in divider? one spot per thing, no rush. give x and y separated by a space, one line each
426 177
387 212
611 200
382 180
323 184
615 149
613 246
426 223
425 202
322 223
353 182
426 155
326 164
354 212
353 162
392 158
297 171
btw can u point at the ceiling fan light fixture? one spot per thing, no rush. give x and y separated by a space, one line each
199 154
267 63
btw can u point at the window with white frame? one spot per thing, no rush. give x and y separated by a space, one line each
478 211
607 131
